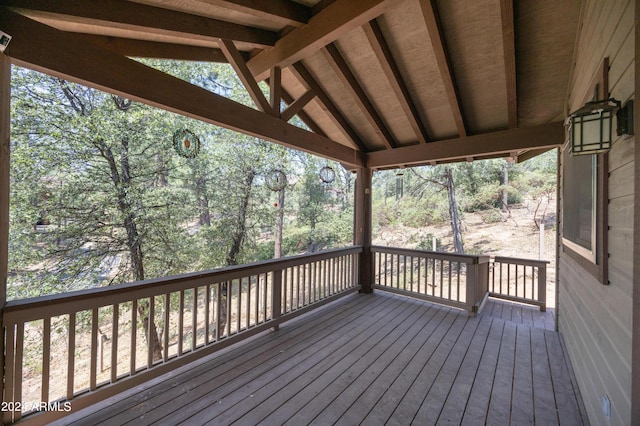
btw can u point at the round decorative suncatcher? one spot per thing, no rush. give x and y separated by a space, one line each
327 175
186 143
276 180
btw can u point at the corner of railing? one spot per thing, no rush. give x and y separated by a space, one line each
477 283
542 286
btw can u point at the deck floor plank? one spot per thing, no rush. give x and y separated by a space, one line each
332 400
475 412
543 399
249 390
369 359
310 388
500 405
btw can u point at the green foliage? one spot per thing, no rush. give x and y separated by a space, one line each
100 197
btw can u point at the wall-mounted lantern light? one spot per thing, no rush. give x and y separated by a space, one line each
591 125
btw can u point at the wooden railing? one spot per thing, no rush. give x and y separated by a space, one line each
450 279
519 280
78 348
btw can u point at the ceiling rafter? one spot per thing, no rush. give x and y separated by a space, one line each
390 68
303 116
304 76
150 49
509 48
296 106
65 55
501 143
239 65
285 11
352 85
153 20
434 28
328 25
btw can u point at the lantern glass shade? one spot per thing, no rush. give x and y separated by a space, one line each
591 128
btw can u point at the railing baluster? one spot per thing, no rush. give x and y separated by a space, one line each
134 331
239 305
194 320
19 360
71 360
181 323
115 321
150 331
46 357
94 349
207 314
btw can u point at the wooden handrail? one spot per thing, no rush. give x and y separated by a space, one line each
214 309
65 303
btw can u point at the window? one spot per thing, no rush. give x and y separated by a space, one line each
583 211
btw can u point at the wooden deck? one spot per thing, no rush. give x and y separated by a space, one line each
368 359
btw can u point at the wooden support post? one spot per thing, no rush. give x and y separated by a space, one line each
362 227
542 287
5 120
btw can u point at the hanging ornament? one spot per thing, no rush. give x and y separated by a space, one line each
276 180
186 143
327 175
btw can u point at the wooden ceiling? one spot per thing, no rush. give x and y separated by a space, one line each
381 83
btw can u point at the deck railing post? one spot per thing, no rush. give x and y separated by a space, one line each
362 227
477 283
5 120
276 296
542 287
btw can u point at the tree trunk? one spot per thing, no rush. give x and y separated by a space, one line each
121 179
505 182
203 202
277 254
238 236
453 212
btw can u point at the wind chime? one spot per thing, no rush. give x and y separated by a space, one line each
276 181
186 143
327 176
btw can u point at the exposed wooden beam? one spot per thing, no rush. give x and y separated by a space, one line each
527 155
297 105
352 85
128 15
285 11
275 90
432 20
239 65
150 49
327 26
62 54
304 76
509 48
488 144
308 121
385 57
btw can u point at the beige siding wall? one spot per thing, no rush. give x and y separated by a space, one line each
594 319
